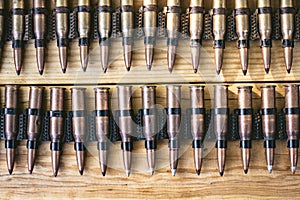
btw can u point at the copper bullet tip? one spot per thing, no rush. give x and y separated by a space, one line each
244 58
221 173
270 169
245 171
266 51
63 58
198 172
171 57
288 58
149 52
219 59
40 56
127 173
10 159
173 172
104 56
84 57
195 51
18 59
127 56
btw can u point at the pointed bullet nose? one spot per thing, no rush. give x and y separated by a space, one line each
266 51
55 173
245 171
152 172
270 169
149 67
127 56
41 72
244 58
218 59
81 172
30 171
104 56
195 71
103 173
63 71
195 53
10 171
149 54
104 70
198 172
288 58
127 173
221 173
40 56
171 57
84 57
173 172
288 71
63 57
267 69
18 59
18 72
293 169
245 72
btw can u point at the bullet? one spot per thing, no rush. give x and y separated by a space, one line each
150 24
34 122
197 120
18 29
173 26
219 29
292 123
196 12
268 116
62 31
245 112
10 124
220 114
127 28
287 20
173 124
104 29
39 29
150 124
84 23
125 124
79 125
2 25
264 12
56 125
102 110
242 13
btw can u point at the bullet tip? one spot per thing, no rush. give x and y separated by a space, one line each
170 70
245 72
293 169
149 67
64 70
103 173
41 72
10 171
270 168
84 69
198 172
195 71
288 71
221 173
18 72
30 171
55 174
104 70
81 172
246 171
127 173
218 72
173 172
128 69
151 171
267 70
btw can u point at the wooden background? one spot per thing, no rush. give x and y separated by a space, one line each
256 184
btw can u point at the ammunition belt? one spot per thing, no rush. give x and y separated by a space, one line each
116 30
138 134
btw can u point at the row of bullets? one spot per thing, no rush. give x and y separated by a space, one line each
150 16
220 115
